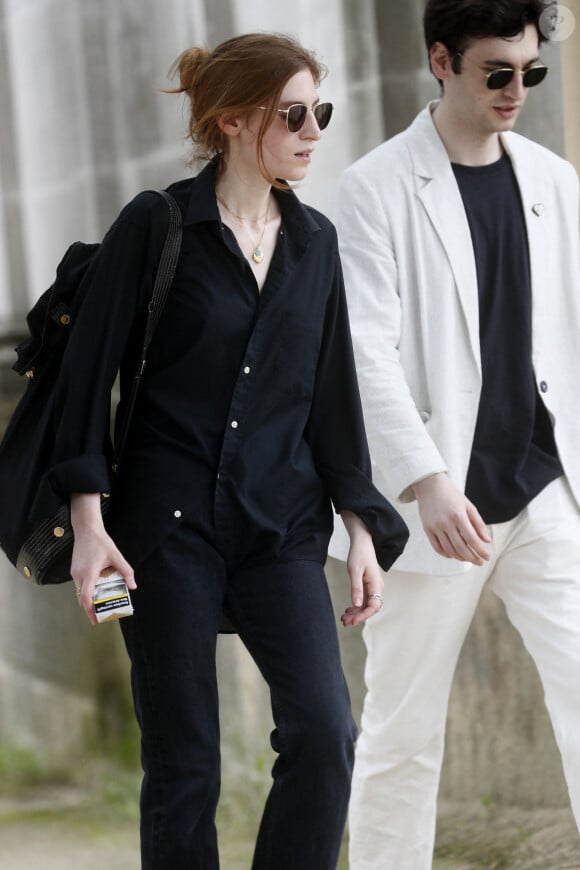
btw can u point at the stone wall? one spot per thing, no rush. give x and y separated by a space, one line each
83 128
571 87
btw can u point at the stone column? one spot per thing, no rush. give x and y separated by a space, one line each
82 130
571 87
12 264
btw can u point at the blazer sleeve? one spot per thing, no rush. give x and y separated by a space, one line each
106 332
337 437
400 446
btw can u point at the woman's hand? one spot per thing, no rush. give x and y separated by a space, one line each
366 579
93 551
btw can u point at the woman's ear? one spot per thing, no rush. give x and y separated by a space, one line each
230 125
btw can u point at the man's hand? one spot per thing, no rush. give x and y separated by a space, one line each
451 522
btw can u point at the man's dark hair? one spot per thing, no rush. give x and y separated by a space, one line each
456 23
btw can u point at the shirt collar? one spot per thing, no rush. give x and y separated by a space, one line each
299 221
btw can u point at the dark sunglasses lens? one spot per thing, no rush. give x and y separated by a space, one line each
296 117
499 78
534 76
323 114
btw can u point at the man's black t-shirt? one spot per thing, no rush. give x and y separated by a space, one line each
514 454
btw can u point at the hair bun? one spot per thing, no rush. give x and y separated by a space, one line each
189 65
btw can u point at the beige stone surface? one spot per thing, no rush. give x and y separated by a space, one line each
472 836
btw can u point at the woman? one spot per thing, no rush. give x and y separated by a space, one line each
247 424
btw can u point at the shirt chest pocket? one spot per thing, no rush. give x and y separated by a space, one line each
296 356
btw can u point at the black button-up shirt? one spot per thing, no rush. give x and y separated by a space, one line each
248 420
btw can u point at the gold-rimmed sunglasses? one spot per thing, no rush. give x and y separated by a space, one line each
500 78
297 112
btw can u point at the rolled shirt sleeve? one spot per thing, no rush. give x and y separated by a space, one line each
117 283
337 436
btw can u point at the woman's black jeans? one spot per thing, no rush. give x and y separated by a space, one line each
284 617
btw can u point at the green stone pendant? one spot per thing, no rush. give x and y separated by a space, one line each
257 255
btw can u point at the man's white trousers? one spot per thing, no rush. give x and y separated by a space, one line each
412 651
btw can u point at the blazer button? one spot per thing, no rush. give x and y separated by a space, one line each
235 424
177 514
543 386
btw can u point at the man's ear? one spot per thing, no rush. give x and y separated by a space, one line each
230 125
440 60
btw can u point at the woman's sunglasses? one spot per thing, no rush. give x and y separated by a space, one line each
500 78
296 115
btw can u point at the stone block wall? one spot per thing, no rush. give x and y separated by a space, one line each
82 129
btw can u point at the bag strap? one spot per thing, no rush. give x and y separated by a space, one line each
163 282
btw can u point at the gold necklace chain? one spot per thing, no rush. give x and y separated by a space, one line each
257 253
238 216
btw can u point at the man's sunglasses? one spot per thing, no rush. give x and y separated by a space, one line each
500 78
296 115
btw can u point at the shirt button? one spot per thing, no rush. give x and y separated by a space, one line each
235 424
543 386
177 514
247 370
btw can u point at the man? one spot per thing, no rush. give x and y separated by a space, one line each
460 249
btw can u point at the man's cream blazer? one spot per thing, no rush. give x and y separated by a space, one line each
412 291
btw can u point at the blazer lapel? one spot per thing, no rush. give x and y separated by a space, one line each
535 204
437 190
